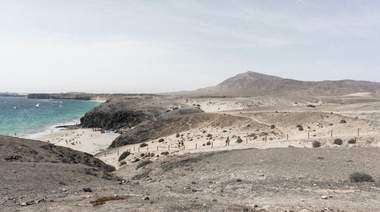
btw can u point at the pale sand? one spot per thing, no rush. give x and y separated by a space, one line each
195 141
85 140
318 126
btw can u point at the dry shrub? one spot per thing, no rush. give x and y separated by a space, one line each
316 144
124 155
300 127
358 177
338 141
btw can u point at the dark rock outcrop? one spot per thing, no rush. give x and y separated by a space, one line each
120 113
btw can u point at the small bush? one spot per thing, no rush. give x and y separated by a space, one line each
338 141
164 153
316 144
87 190
352 141
253 136
143 145
239 140
124 155
272 126
300 127
135 160
343 121
161 140
359 177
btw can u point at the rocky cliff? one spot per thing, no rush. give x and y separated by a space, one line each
122 112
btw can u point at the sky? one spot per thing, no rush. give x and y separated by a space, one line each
124 46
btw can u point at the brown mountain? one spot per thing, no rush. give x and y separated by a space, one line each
257 84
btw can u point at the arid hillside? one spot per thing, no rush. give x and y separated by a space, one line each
257 84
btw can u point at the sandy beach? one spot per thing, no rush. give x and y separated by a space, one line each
85 140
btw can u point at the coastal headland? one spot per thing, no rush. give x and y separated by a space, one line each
186 152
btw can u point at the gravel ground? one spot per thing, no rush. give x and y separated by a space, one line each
293 179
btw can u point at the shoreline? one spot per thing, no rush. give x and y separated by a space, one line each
49 129
81 139
30 132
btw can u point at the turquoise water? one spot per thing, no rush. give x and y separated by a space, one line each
22 116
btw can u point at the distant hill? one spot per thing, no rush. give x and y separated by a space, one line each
7 94
257 84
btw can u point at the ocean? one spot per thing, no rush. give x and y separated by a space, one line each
20 116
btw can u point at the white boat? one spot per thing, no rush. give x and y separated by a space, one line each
38 105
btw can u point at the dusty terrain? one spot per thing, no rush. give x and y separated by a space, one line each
33 170
288 179
172 155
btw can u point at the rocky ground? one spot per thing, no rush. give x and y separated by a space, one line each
31 171
285 154
285 179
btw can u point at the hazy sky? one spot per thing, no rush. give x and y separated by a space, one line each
157 45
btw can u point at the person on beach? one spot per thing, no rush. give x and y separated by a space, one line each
228 141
